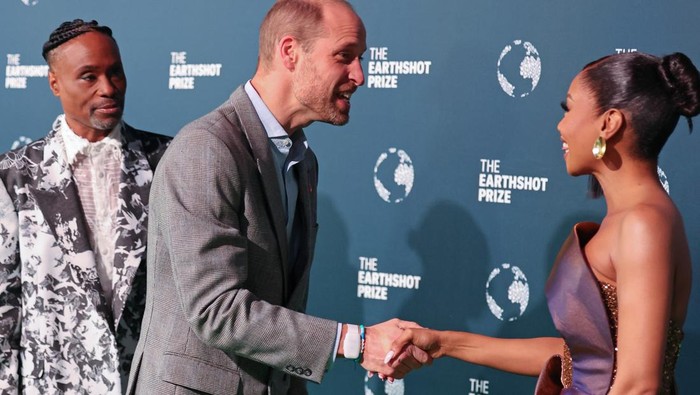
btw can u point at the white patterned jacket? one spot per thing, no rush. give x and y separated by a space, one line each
57 334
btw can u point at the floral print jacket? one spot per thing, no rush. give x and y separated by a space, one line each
57 334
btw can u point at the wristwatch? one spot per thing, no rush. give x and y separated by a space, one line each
352 343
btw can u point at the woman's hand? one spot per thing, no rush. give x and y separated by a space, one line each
427 340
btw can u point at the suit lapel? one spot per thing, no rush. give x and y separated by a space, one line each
306 173
306 178
259 143
132 219
56 195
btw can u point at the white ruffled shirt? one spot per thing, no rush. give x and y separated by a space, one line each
97 172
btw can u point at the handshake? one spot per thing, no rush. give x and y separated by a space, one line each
393 348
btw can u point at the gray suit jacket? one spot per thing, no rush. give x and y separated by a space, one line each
224 308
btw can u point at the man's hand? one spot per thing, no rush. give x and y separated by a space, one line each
378 341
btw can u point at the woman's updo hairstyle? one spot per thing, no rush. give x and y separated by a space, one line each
681 76
654 92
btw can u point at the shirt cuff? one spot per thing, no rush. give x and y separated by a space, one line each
334 353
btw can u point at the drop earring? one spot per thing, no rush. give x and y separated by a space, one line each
599 148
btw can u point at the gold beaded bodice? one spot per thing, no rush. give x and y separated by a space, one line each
674 337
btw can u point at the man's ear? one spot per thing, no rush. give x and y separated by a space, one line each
289 50
613 121
53 83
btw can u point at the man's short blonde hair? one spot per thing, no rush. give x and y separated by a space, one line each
301 19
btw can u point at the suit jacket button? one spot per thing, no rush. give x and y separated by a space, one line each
307 372
290 368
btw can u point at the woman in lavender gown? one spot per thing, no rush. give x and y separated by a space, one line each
618 292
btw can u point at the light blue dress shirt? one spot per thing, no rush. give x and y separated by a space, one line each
287 151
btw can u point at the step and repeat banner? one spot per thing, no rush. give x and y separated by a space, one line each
445 199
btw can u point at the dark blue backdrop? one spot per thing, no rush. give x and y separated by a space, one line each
408 187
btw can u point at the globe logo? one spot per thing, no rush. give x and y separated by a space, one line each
393 175
507 292
519 69
30 2
663 179
22 140
373 387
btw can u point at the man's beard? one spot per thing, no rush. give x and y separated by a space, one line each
308 90
106 125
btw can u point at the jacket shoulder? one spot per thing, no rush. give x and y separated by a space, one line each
224 123
21 157
152 144
148 139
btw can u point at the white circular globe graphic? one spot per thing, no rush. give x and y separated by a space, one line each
663 179
507 292
30 2
393 175
378 387
22 140
519 69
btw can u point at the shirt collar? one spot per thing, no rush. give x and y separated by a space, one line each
75 144
270 123
275 131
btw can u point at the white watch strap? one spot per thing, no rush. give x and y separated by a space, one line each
352 344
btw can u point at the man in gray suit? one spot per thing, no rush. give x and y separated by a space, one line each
233 225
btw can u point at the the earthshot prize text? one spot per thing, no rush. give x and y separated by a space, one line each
496 188
384 73
372 284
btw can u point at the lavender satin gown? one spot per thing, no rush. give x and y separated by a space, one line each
584 312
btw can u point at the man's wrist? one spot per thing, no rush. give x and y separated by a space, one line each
362 344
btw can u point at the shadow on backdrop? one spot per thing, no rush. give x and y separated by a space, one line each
454 255
331 299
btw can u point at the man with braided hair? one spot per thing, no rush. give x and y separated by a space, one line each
73 217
